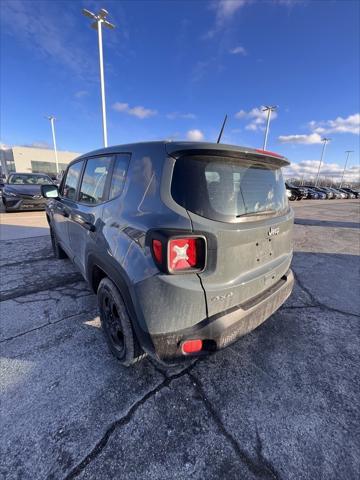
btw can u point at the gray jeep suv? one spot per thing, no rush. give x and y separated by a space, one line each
187 245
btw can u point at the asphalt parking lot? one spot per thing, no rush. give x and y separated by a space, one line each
281 403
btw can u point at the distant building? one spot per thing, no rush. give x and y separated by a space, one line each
33 160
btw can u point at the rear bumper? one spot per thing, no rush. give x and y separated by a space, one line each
226 327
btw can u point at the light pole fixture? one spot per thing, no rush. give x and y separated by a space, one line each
52 119
269 109
346 161
325 142
99 21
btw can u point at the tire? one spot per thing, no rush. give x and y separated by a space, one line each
116 324
58 251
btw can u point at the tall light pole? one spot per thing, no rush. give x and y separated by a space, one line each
269 109
100 20
52 119
325 142
346 161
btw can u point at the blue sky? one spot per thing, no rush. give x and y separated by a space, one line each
174 68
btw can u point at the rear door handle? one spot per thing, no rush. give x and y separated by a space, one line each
83 222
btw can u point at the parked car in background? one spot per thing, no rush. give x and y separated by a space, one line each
353 191
322 194
328 193
187 245
22 191
315 192
341 195
347 193
293 194
298 192
312 194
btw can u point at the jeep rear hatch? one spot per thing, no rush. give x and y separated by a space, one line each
238 199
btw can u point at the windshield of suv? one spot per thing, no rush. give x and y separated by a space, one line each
28 179
224 188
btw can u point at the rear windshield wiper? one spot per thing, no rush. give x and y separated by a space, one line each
253 214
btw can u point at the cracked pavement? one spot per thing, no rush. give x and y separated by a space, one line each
281 403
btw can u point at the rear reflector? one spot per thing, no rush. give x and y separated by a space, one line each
157 249
191 346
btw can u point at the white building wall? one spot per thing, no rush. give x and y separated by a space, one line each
24 156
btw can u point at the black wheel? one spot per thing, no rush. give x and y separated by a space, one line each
116 324
58 251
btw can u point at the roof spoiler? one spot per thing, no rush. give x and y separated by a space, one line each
218 150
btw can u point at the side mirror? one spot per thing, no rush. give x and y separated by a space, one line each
49 191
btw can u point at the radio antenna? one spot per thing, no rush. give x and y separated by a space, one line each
222 129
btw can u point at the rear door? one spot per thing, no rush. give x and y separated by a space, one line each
84 219
242 208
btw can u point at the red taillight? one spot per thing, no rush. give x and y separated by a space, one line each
182 254
157 249
191 346
175 254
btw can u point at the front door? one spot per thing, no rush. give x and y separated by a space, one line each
66 202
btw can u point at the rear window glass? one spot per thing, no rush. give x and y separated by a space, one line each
224 189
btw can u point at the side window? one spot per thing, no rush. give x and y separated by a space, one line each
92 188
119 175
71 181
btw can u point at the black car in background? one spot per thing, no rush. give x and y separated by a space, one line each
293 194
311 193
22 191
297 193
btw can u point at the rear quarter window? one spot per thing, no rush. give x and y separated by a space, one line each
72 180
119 175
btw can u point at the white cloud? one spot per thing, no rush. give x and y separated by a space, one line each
195 135
185 116
311 139
139 111
256 116
309 168
238 51
225 9
224 12
350 124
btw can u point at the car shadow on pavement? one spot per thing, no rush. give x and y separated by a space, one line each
326 223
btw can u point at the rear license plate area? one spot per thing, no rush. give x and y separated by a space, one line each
264 251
